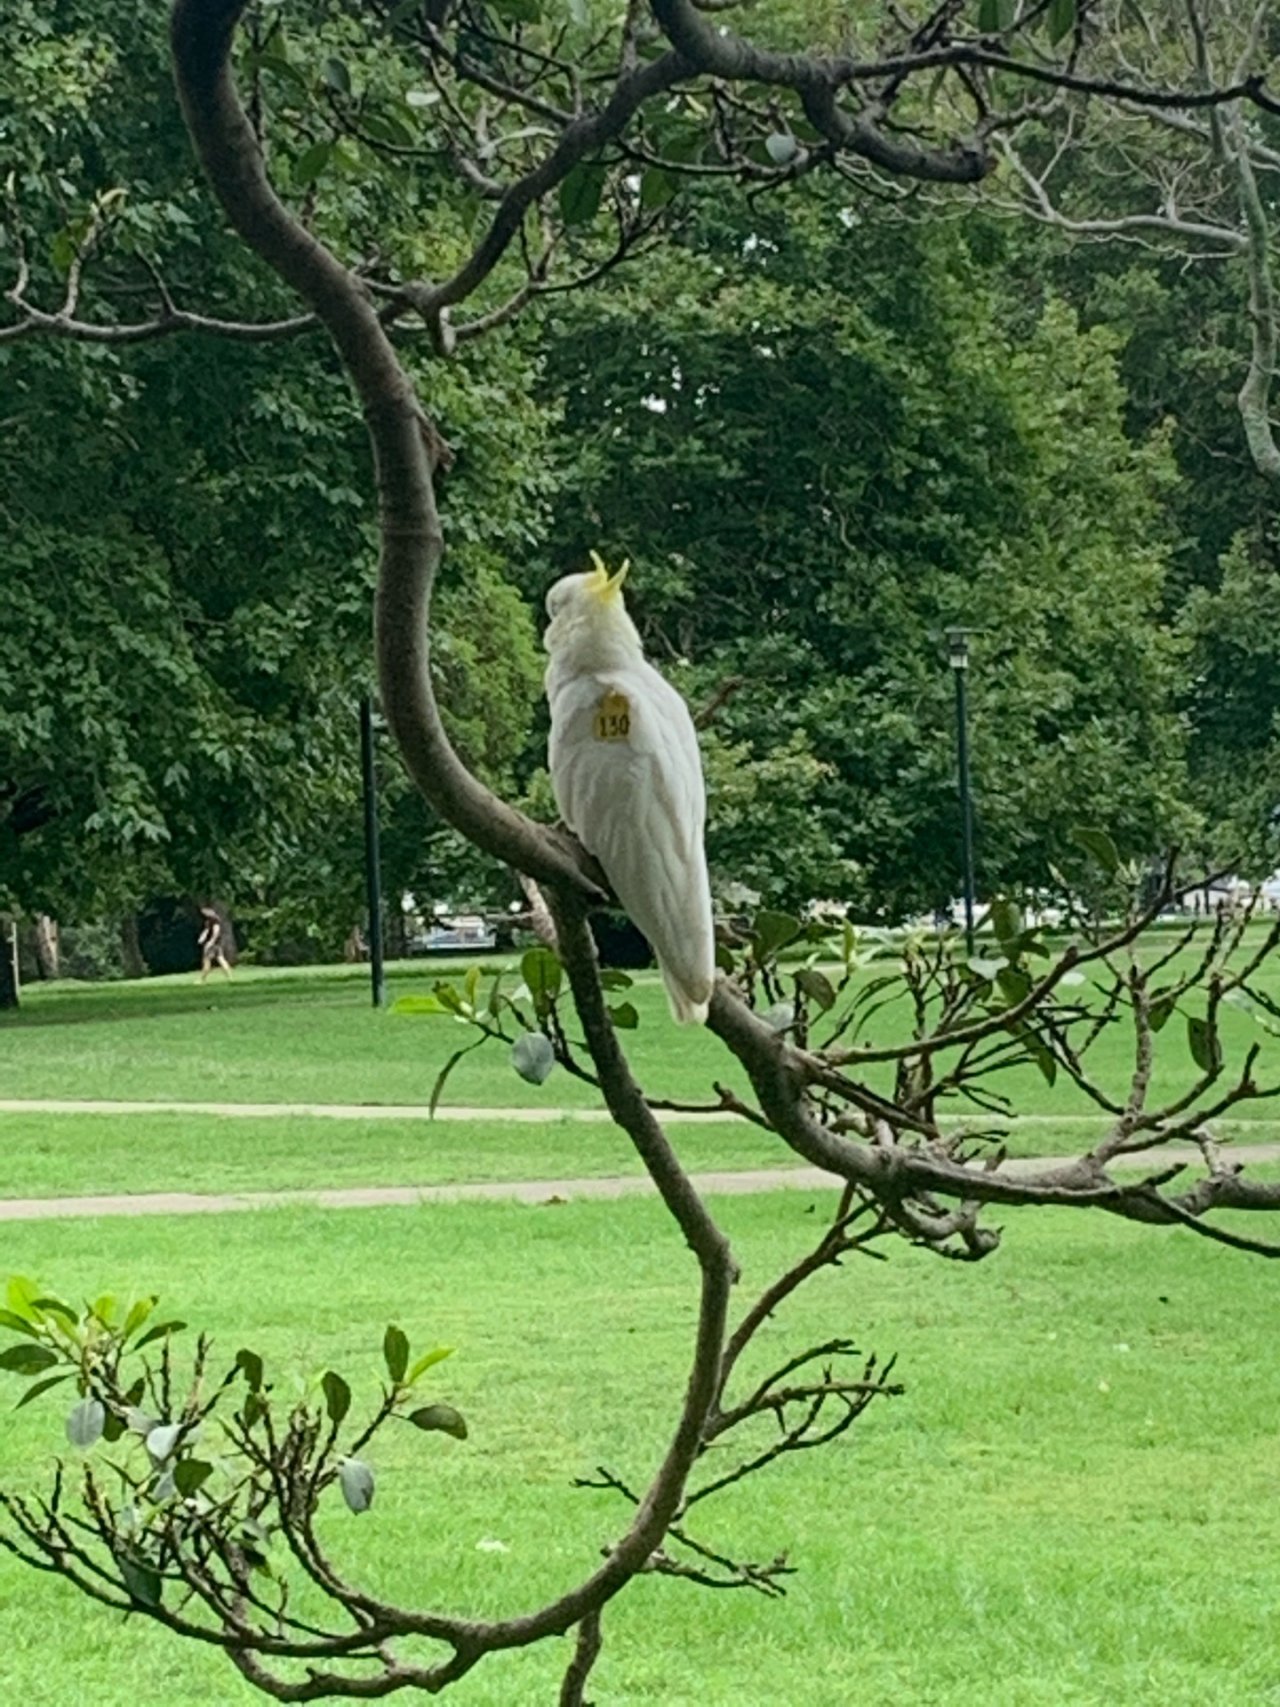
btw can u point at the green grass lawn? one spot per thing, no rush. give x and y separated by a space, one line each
1073 1506
310 1035
66 1155
70 1155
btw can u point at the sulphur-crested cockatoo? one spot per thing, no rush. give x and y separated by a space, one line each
628 778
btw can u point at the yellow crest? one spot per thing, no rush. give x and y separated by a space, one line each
601 583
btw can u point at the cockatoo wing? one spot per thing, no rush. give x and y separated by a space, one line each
628 781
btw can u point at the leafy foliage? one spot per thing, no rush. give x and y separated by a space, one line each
917 465
202 1477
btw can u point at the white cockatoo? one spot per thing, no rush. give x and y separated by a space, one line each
628 778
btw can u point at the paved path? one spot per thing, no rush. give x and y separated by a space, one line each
517 1191
420 1111
316 1110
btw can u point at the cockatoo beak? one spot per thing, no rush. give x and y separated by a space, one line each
604 586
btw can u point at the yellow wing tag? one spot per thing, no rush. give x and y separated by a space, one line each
613 718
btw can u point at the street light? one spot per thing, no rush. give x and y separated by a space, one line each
369 719
958 658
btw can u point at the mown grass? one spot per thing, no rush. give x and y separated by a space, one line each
311 1036
66 1155
1073 1504
71 1155
304 1038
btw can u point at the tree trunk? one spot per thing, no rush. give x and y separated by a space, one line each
8 963
48 952
130 949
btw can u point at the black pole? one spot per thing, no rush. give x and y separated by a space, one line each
960 669
372 861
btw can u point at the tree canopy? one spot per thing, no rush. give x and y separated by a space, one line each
851 424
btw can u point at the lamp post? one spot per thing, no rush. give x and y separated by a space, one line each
958 658
372 859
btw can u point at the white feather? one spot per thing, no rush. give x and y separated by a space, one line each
637 803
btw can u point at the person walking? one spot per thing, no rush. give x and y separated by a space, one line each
210 942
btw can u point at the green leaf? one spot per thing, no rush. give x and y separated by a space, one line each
20 1294
191 1474
772 932
818 987
1099 846
421 97
386 127
27 1359
1061 19
1014 984
356 1480
38 1387
428 1360
395 1350
158 1332
442 1419
1043 1057
277 63
995 15
1206 1049
624 1016
1006 921
251 1364
612 979
449 998
533 1057
724 957
542 973
522 11
309 165
987 970
580 194
337 1396
781 148
56 1307
1161 1008
337 77
62 252
105 1309
85 1423
418 1005
9 1320
657 187
140 1578
139 1310
162 1439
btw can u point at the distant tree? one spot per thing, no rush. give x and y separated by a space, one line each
827 449
186 622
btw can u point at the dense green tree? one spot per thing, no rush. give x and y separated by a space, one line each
186 631
840 438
